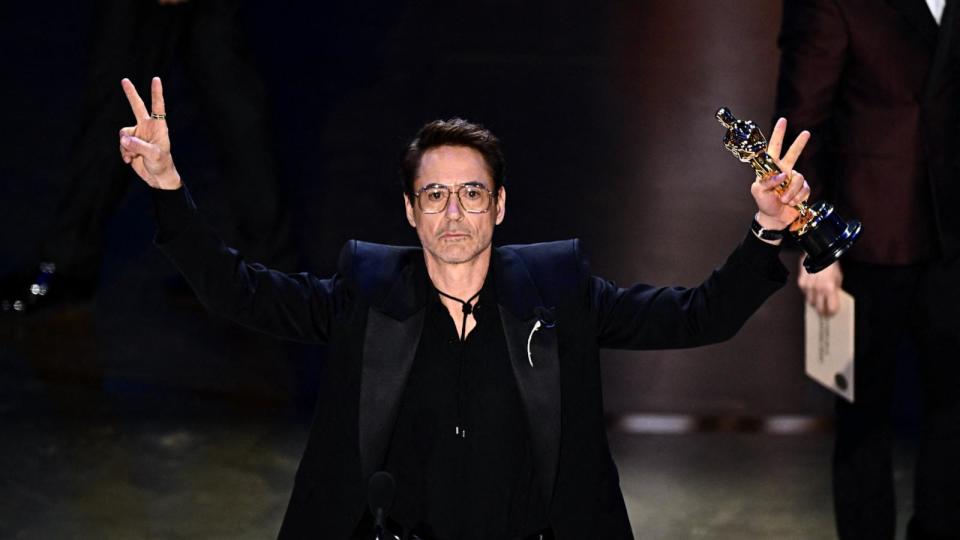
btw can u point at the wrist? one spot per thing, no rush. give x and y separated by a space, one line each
767 230
770 223
169 181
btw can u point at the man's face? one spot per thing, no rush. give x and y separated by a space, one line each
454 236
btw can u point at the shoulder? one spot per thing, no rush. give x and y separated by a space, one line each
555 268
367 261
546 257
372 270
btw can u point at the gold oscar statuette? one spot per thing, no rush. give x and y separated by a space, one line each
822 234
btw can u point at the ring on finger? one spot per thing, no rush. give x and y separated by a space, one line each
156 116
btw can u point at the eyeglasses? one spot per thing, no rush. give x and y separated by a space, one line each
473 197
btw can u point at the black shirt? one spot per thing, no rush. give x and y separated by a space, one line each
460 451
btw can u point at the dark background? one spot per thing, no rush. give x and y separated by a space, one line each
605 111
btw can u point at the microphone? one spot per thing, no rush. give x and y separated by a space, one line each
380 493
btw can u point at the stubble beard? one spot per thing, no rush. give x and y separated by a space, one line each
461 251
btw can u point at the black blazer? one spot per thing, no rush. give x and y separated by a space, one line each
878 85
371 315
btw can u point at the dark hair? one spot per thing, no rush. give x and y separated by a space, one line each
453 132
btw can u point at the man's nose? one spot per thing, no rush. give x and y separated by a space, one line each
453 210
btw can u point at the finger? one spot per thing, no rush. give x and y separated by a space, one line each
793 153
156 97
803 196
136 104
793 186
139 147
821 304
776 138
126 154
771 182
833 303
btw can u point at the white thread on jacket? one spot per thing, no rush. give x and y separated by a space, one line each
536 327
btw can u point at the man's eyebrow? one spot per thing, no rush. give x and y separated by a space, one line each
471 183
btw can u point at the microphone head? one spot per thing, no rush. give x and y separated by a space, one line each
381 491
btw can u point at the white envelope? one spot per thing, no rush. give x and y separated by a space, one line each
829 347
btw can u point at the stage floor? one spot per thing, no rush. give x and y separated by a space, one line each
81 462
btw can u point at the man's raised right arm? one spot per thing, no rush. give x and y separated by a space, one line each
292 306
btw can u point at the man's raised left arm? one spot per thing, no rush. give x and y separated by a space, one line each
646 317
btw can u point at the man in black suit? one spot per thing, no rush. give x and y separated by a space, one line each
468 372
878 85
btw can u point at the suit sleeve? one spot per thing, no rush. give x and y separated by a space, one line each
646 317
814 43
291 306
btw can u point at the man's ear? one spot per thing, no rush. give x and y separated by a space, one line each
501 204
408 207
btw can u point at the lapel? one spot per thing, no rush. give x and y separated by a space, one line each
943 58
520 308
918 15
389 346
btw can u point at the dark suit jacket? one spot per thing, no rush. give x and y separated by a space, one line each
879 88
371 314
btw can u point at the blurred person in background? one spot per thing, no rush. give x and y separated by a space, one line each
139 38
878 85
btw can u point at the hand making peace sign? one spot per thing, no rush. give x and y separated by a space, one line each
777 208
146 146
